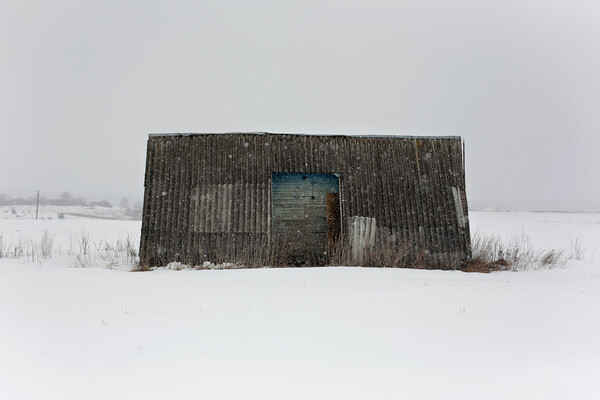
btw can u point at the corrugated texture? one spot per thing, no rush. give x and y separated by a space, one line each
208 197
299 204
363 232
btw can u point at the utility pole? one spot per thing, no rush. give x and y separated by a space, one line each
37 207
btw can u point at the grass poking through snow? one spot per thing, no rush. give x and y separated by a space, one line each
491 253
82 251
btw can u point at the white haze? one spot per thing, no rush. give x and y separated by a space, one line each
82 83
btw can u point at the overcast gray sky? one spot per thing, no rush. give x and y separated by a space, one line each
82 83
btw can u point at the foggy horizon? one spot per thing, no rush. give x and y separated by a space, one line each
83 84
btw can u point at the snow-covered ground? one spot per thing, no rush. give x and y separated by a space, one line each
21 212
95 333
546 230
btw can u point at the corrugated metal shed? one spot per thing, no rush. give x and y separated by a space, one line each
224 197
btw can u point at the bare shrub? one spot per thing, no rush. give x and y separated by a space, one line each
250 258
388 255
577 252
82 257
519 252
3 248
338 254
107 253
421 261
84 243
131 250
490 253
485 249
84 252
549 259
69 246
23 248
121 252
281 253
46 244
383 254
82 261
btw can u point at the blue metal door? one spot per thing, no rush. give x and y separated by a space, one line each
300 216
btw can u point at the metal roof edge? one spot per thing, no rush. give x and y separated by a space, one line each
304 134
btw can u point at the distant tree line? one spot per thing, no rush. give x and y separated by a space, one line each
65 199
133 211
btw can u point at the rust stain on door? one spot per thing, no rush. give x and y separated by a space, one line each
333 222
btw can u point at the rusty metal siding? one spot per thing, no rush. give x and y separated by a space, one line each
208 196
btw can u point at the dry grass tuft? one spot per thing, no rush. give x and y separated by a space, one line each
490 253
577 251
83 251
141 268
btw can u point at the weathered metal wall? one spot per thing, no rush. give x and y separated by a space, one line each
208 196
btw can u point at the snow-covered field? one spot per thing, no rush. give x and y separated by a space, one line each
93 333
57 212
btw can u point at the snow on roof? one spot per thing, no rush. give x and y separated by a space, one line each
306 134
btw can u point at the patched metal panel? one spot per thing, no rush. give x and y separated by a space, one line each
362 236
460 217
300 223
